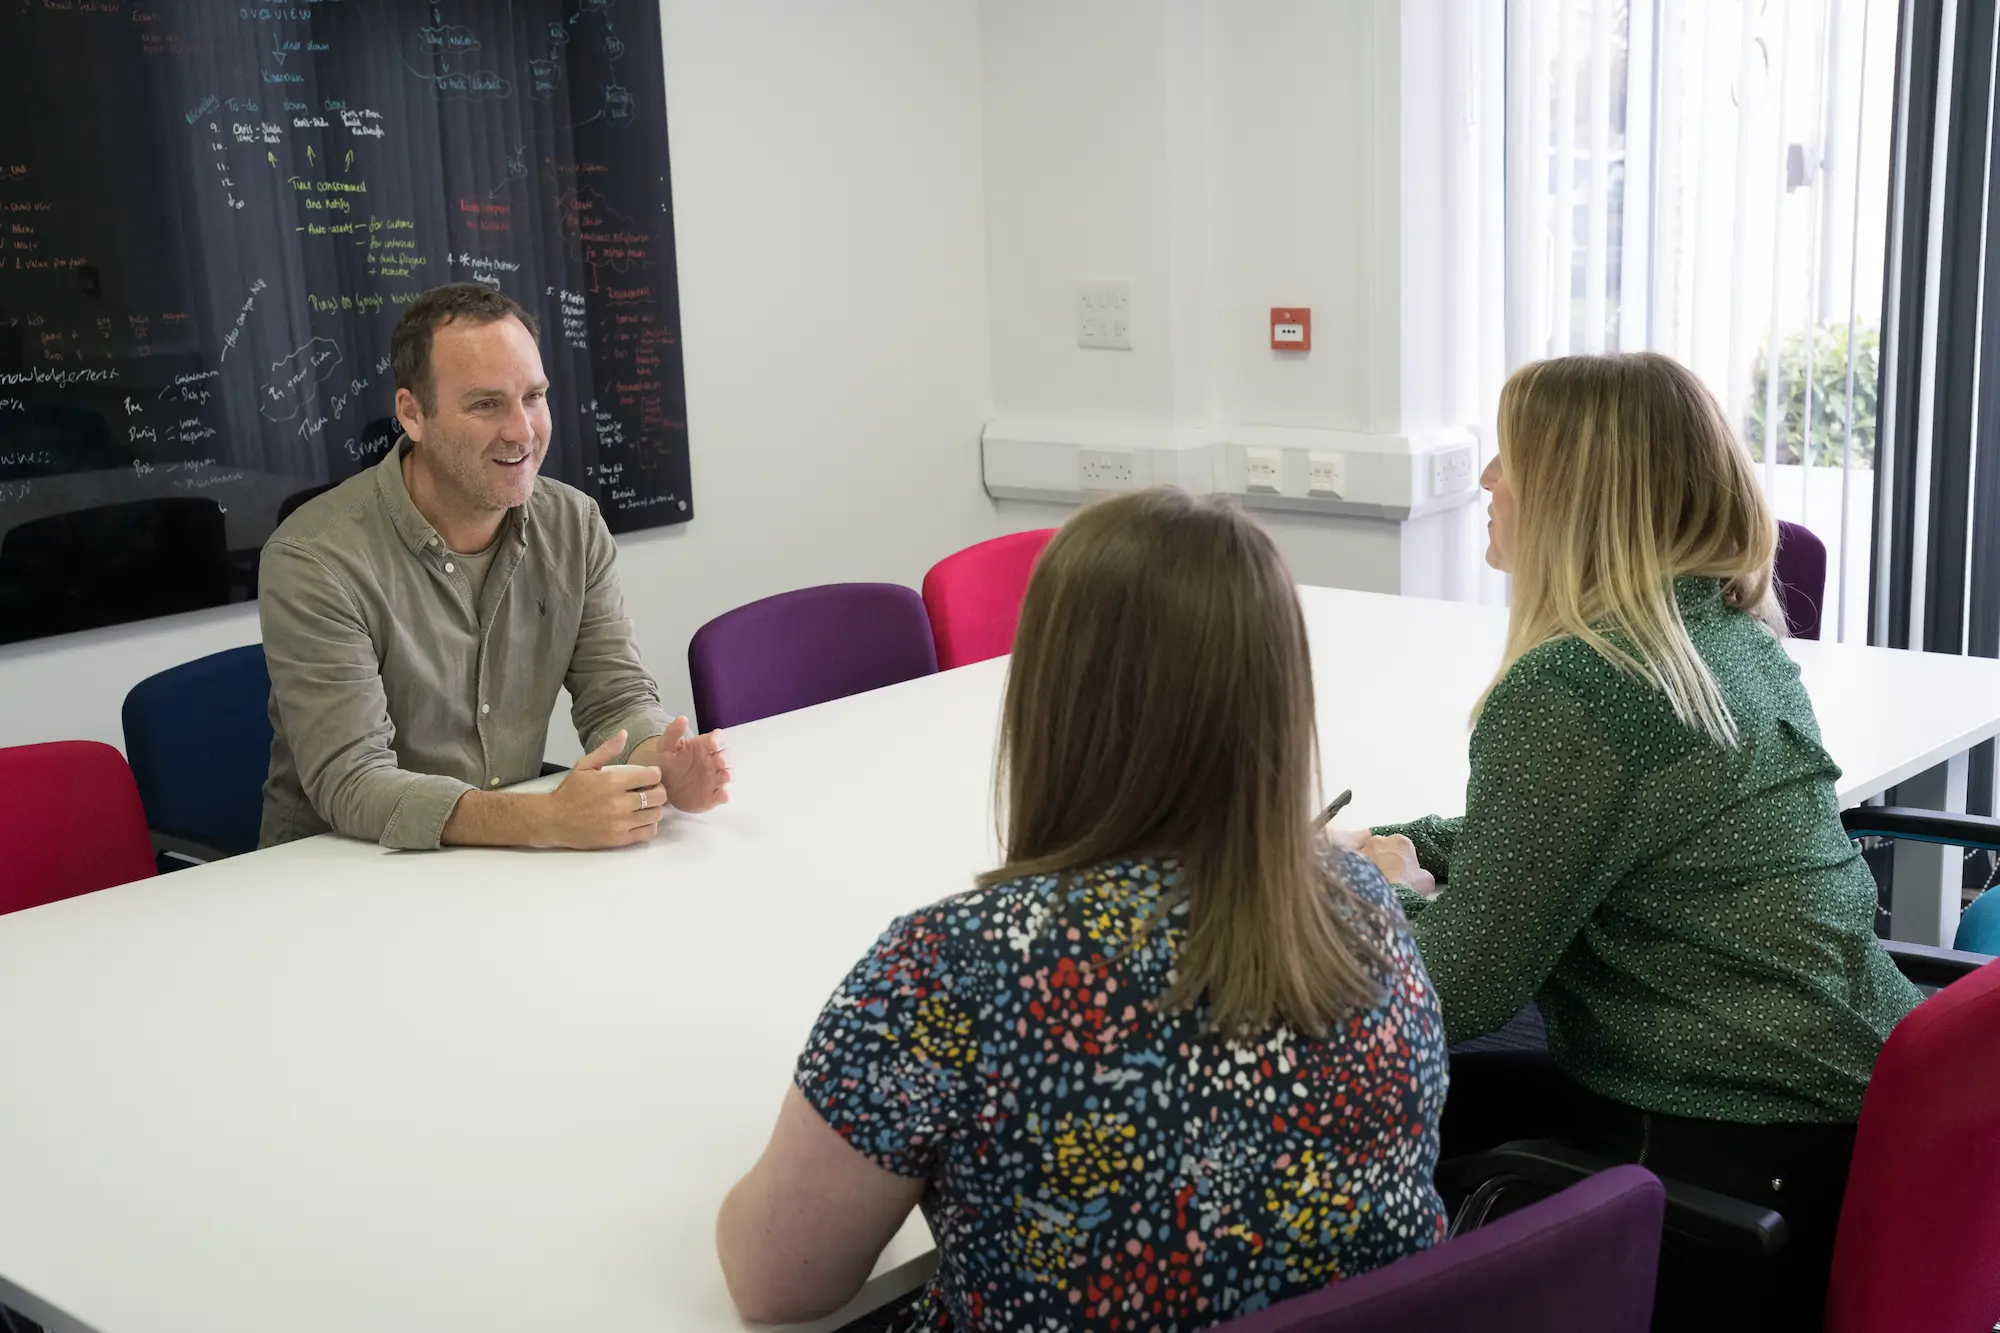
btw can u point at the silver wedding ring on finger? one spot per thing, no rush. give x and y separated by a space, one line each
642 800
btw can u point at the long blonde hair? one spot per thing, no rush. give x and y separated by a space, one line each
1160 702
1626 476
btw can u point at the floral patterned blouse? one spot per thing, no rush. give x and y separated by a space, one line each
1094 1163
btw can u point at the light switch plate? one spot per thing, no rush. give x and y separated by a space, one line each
1104 313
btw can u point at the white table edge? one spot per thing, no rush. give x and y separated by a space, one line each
1851 796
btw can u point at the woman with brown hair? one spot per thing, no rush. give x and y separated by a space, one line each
1175 1059
1651 848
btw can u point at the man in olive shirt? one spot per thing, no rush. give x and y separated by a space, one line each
420 618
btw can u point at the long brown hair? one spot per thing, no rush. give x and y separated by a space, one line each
1160 703
1626 475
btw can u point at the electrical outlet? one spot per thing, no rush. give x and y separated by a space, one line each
1451 472
1263 470
1104 469
1326 474
1104 313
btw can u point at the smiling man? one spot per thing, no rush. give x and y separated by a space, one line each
420 618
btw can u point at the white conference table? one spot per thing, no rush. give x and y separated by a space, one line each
329 1087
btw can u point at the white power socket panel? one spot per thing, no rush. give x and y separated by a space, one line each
1451 472
1104 313
1263 470
1326 474
1104 469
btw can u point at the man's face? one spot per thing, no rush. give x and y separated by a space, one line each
484 445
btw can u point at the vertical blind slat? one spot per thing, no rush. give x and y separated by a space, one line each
1853 310
1564 259
1597 200
1537 239
1637 221
1774 417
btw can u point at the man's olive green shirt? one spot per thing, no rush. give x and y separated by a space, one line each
394 692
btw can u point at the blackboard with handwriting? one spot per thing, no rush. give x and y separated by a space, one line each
211 215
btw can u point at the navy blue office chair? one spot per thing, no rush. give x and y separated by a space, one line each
199 740
1979 927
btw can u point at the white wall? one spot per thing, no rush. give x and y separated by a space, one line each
71 687
827 172
828 184
1229 156
1076 164
1298 133
1219 156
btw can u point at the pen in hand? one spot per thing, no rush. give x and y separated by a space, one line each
1326 815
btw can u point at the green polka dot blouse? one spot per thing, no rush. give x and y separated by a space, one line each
1693 922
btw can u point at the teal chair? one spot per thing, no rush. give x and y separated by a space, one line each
1979 927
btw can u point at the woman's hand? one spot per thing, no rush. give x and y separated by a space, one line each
1395 857
1348 839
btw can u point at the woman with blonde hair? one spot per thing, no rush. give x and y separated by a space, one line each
1651 849
1176 1058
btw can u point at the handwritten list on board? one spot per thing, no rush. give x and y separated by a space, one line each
211 215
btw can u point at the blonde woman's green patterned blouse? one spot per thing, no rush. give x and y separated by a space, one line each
1693 922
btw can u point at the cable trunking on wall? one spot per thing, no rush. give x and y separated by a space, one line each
1294 468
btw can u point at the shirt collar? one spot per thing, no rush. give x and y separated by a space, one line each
1696 593
416 530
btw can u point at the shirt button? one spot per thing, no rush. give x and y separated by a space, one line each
486 708
493 782
432 542
448 566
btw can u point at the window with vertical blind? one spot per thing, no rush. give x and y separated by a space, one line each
1711 181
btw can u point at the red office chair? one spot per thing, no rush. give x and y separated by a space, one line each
1919 1242
70 823
974 597
1920 1223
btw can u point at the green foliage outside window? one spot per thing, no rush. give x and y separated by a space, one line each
1824 350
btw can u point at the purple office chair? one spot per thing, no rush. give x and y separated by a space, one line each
1582 1261
806 647
1800 574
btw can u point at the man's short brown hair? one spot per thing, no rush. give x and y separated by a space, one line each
410 344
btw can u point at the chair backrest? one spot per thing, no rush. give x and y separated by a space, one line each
974 597
70 823
119 562
1583 1261
290 504
199 739
1979 925
1800 573
806 647
1919 1242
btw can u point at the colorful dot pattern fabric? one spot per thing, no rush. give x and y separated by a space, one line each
1095 1163
1693 921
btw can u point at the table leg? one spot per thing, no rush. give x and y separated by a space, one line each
1928 878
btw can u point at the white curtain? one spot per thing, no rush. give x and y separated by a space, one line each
1709 179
